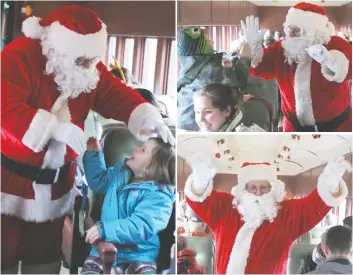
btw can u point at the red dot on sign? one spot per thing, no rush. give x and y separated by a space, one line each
277 169
218 155
288 157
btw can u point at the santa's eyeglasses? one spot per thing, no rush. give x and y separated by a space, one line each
254 189
293 30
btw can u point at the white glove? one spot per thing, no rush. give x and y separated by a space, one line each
252 33
70 134
153 126
202 170
333 173
320 54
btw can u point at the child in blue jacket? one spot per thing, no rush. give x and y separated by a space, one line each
138 202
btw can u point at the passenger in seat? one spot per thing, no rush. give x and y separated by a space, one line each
138 202
338 250
200 65
217 109
187 263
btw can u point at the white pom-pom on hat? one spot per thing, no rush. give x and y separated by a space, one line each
31 27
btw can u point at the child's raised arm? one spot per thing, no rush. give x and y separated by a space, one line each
150 216
98 176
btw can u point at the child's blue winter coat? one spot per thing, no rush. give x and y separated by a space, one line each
132 214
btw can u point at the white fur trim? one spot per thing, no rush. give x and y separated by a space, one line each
41 209
31 27
258 58
139 114
256 172
55 156
302 92
240 251
326 195
66 41
39 131
337 68
307 20
195 197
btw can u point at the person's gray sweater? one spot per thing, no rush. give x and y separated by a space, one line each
335 265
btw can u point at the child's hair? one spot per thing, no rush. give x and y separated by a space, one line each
222 96
162 166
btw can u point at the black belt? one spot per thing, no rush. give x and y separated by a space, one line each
41 176
329 126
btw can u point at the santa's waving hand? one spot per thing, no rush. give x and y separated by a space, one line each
334 64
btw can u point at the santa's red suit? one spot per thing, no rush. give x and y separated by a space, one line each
31 107
244 249
311 93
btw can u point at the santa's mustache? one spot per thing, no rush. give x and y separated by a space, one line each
255 209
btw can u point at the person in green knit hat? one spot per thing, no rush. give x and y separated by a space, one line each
200 65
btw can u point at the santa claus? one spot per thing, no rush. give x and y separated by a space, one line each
313 70
51 78
254 226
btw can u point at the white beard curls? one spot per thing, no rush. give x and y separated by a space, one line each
71 79
256 209
295 47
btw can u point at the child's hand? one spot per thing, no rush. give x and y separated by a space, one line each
92 235
92 144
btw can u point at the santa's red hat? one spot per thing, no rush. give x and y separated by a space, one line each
309 17
71 30
250 171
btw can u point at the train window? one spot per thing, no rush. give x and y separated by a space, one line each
111 49
172 81
149 63
129 53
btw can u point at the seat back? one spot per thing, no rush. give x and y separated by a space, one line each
296 256
265 89
204 248
259 111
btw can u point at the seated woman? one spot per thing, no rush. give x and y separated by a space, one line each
138 202
217 109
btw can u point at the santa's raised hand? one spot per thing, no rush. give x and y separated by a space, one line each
319 53
252 33
333 173
202 170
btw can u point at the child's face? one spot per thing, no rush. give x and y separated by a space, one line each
208 117
141 158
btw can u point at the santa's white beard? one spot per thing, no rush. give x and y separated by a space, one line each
255 209
71 79
295 47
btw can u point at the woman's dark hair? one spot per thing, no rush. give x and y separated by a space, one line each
222 96
162 166
147 95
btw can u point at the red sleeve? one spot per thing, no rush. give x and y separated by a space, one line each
212 208
21 122
114 99
266 68
303 214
